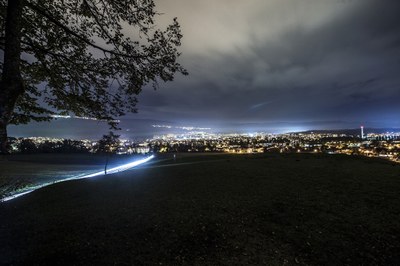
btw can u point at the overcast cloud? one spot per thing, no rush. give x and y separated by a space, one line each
309 63
284 60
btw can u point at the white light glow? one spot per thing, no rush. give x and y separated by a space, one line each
81 117
120 168
114 170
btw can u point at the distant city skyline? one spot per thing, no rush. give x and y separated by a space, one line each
136 128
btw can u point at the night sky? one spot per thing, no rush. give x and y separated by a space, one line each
270 65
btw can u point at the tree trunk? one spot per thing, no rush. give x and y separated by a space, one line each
11 86
3 138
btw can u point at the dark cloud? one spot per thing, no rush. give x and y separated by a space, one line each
314 60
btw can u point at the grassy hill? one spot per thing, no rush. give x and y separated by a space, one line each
214 210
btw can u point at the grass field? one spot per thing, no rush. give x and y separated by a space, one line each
213 210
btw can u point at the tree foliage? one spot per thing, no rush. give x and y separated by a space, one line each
108 143
85 57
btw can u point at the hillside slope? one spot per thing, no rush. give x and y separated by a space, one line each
213 210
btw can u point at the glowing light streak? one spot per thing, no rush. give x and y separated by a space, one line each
162 126
183 128
82 117
121 168
114 170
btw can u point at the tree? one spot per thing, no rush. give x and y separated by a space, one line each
72 146
84 57
108 144
27 146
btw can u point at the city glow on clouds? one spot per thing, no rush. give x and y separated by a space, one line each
114 170
312 60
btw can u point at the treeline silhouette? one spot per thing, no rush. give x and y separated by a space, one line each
26 145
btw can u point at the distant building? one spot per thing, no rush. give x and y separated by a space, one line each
362 132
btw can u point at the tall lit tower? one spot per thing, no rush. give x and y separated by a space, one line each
362 132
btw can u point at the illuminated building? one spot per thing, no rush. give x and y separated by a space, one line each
362 132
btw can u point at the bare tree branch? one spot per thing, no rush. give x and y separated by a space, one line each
81 38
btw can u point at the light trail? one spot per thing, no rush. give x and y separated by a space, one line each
114 170
120 168
81 117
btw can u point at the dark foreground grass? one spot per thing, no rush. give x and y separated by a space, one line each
214 210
